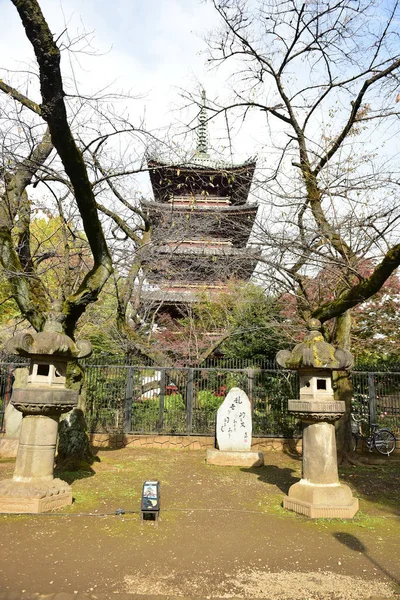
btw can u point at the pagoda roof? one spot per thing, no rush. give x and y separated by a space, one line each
201 174
183 294
175 251
200 264
200 161
201 221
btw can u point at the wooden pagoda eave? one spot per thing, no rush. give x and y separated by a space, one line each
179 222
168 179
190 167
201 271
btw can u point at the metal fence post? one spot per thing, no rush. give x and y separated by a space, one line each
250 375
372 398
189 402
160 424
129 400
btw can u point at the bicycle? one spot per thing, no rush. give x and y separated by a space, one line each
380 438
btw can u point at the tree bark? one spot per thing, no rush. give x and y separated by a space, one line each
343 387
363 290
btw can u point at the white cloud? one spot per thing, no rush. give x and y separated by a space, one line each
148 47
153 49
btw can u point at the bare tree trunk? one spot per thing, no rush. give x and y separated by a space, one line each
343 387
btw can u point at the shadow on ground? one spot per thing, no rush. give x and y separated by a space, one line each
353 543
71 476
378 484
281 477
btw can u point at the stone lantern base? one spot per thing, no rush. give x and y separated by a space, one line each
33 497
327 501
41 399
319 494
33 488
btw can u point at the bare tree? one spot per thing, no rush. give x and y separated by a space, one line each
329 74
15 206
325 77
49 165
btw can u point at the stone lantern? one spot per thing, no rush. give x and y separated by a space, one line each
42 400
319 493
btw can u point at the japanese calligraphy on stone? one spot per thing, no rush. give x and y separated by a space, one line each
234 426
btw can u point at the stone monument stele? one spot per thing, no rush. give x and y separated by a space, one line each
41 401
233 432
319 493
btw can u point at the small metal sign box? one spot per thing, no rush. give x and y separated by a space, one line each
150 504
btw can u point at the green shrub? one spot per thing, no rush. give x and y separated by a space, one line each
174 402
208 400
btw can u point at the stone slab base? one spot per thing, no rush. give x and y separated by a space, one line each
8 447
329 501
321 512
10 504
234 459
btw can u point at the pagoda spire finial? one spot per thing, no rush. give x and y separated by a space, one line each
202 130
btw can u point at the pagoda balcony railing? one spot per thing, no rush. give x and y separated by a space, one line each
195 287
189 200
244 207
180 293
207 250
199 243
170 296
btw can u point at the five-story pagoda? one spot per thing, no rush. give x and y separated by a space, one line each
201 221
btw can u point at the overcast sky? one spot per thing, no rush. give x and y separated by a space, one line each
152 48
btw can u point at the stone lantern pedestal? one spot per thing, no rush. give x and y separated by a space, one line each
319 493
42 400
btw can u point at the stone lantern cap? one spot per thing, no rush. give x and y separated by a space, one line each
48 343
45 392
51 341
315 353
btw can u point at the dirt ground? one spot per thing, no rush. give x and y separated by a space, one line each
222 533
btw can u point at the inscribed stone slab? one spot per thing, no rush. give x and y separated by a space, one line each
234 426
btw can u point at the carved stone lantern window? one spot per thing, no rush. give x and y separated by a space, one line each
45 371
316 385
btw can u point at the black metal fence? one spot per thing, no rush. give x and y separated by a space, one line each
144 399
376 397
184 400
